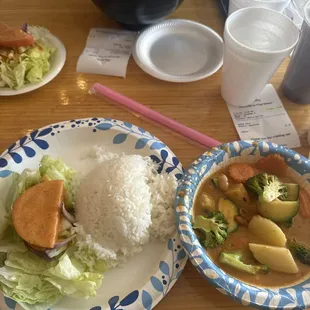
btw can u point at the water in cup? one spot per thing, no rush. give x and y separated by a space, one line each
296 83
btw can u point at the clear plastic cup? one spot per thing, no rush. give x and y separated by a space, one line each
277 5
296 82
256 41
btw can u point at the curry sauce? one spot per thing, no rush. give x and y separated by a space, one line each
238 241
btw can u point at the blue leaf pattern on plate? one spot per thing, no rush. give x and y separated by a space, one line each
10 302
164 154
5 173
16 157
170 169
34 134
29 151
113 301
120 138
22 140
155 159
175 161
157 284
157 145
147 300
141 143
181 255
170 244
129 299
96 308
45 132
127 124
42 144
164 267
104 126
3 162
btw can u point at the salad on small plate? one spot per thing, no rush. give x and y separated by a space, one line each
30 57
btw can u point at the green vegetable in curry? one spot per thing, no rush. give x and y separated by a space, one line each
267 187
214 228
234 260
299 251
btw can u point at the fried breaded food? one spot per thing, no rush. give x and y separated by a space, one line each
36 213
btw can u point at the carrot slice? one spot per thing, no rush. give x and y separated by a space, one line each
273 164
240 172
304 200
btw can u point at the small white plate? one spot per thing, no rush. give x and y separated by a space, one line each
178 50
57 62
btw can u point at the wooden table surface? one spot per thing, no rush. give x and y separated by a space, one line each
197 105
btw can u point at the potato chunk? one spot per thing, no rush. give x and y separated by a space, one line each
267 230
278 259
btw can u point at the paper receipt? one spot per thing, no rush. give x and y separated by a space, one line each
107 52
265 119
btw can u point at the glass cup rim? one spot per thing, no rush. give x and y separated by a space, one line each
260 52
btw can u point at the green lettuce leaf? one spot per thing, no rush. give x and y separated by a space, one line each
36 284
30 64
55 169
26 288
21 182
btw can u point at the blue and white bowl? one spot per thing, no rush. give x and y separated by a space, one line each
294 297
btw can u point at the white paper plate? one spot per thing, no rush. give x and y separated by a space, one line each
57 62
146 278
178 50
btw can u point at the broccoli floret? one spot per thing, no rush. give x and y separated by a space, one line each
234 260
299 251
267 187
214 228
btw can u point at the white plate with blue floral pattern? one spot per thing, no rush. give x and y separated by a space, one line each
295 297
148 276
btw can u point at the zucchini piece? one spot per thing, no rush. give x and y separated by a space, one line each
279 211
292 192
215 182
229 210
238 194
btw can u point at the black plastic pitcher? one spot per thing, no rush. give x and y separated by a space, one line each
296 83
137 14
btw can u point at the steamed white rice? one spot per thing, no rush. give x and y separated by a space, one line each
122 204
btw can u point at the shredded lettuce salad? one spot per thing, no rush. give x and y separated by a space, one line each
27 278
24 65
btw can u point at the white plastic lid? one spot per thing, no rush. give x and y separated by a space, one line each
179 50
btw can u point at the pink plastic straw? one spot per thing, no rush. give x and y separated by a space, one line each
154 116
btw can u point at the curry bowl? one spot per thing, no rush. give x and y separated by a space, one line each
271 289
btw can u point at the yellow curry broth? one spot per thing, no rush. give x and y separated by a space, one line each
239 240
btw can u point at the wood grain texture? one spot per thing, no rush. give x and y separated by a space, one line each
197 105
